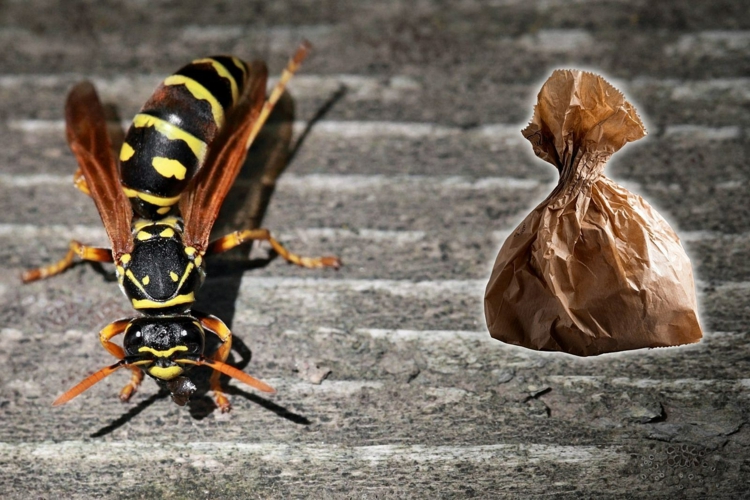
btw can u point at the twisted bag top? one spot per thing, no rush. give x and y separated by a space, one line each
593 268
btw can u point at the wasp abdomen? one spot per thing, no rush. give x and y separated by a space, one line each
167 141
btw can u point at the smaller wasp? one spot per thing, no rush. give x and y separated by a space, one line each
177 164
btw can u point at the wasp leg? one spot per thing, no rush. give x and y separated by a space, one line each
79 181
76 248
217 326
239 237
115 350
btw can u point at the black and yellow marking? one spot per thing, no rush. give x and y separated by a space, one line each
152 206
163 353
216 76
167 142
143 236
160 276
172 221
186 298
166 373
201 93
138 284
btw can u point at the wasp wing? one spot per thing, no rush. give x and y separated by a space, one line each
86 128
200 204
247 200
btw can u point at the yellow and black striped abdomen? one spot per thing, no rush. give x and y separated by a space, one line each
167 141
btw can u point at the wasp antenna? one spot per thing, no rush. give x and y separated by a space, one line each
304 47
232 372
291 68
87 383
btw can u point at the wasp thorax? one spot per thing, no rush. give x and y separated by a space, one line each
161 275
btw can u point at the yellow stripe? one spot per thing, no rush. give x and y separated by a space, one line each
240 65
150 198
172 133
141 223
173 275
126 152
167 233
135 281
185 275
143 236
146 280
171 221
163 210
163 354
125 258
201 93
152 304
165 373
168 167
224 73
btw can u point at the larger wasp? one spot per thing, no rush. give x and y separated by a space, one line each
178 161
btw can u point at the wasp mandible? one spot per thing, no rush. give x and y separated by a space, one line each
158 204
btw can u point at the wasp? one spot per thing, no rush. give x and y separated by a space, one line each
158 204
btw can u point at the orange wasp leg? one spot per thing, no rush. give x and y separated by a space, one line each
105 336
79 181
92 254
239 237
217 326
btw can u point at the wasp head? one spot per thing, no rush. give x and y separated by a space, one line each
164 347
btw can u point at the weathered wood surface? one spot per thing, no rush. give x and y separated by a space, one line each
414 177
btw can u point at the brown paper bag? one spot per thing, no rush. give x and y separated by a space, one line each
593 268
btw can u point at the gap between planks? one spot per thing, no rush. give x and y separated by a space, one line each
363 87
397 287
506 133
333 182
510 455
397 236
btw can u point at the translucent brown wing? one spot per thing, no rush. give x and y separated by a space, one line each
86 127
201 202
248 199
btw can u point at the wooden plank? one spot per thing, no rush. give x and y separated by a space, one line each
400 98
419 402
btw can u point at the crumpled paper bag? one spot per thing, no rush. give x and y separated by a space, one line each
593 268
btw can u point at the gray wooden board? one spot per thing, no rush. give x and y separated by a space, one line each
414 177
